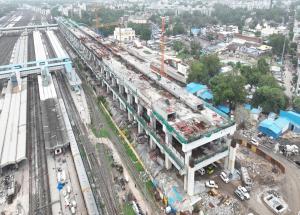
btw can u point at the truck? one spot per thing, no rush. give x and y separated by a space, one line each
246 178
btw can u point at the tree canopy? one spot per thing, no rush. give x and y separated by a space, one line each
143 30
296 104
230 16
271 99
204 69
276 41
228 88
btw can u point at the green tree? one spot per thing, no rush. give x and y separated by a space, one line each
228 88
257 33
178 29
198 73
204 69
268 80
195 48
263 66
143 30
296 104
251 74
270 99
178 46
276 41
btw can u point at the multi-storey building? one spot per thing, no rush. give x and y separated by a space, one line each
190 133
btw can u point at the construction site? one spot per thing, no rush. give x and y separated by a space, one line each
94 125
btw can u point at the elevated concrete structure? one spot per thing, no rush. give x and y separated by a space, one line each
189 132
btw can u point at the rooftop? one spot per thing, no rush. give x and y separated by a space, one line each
194 118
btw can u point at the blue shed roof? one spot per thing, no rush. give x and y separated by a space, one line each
281 122
255 111
224 109
293 117
247 106
206 95
195 87
270 128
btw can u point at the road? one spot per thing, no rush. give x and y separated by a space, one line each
288 78
291 183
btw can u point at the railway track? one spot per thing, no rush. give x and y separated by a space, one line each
39 196
98 173
99 118
7 44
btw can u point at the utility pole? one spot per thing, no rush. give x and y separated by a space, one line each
162 47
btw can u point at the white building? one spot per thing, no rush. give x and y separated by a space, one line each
124 34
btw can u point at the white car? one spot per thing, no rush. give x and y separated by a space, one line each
239 194
224 177
254 142
244 191
211 184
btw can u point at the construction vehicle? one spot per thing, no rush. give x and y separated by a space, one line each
246 178
291 150
213 192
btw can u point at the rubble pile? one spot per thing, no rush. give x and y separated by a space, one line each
219 205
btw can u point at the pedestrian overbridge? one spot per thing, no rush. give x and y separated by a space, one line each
36 67
28 28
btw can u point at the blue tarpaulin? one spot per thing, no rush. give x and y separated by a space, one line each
293 117
60 186
224 109
206 95
255 111
247 106
274 128
195 87
199 90
269 128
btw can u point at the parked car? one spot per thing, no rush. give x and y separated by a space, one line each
211 184
210 170
254 142
244 191
224 177
239 194
201 171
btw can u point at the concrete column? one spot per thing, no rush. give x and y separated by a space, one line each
140 108
232 154
113 82
168 163
130 117
102 83
114 96
121 89
121 105
168 138
129 98
153 122
140 128
107 88
190 182
187 157
152 144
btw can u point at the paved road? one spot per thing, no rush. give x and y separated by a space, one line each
288 78
291 183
